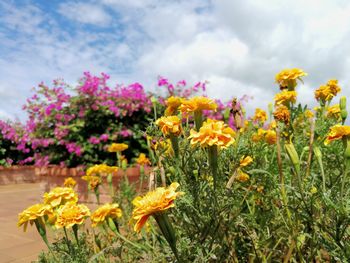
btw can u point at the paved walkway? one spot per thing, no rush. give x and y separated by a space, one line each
15 245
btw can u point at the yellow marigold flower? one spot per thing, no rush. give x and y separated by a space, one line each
173 103
153 202
197 104
213 132
333 111
92 180
260 189
69 182
327 92
273 125
271 137
259 135
101 169
71 214
32 213
143 160
245 161
170 125
103 212
117 147
282 114
285 97
60 195
309 114
242 176
164 146
260 115
289 76
337 132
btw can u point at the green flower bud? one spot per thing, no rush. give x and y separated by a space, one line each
342 103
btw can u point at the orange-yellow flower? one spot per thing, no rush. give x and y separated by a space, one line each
260 115
197 104
170 125
143 160
245 161
103 212
289 76
333 111
337 132
282 114
32 213
309 114
101 169
259 135
172 103
71 214
270 137
327 92
285 97
117 147
153 202
242 176
213 132
59 196
69 182
92 180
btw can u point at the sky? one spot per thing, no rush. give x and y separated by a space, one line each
236 45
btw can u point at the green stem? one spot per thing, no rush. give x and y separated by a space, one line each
175 144
68 242
167 231
75 231
198 119
42 231
213 163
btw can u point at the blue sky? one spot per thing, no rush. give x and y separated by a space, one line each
237 45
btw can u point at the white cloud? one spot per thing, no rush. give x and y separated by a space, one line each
238 46
85 13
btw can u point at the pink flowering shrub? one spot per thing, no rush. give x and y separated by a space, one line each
74 125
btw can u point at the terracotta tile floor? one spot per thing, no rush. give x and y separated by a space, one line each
15 245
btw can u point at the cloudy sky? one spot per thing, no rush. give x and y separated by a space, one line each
236 45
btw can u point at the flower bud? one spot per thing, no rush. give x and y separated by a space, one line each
293 156
342 103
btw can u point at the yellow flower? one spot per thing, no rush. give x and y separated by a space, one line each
327 92
242 176
309 114
197 104
101 169
92 180
153 202
313 190
117 147
173 103
103 212
271 137
71 214
245 161
333 111
69 182
213 132
260 189
170 125
285 97
164 146
260 115
143 160
282 114
60 195
32 213
289 76
259 135
337 132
